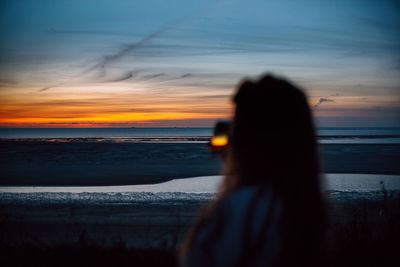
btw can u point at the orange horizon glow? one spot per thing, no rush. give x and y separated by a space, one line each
111 106
107 118
104 119
66 108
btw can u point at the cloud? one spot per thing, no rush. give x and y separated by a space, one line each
152 76
222 96
7 82
322 100
126 76
51 86
186 75
107 59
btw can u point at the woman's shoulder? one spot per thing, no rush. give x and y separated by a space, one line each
251 209
244 220
249 197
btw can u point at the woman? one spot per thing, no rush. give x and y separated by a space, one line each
269 210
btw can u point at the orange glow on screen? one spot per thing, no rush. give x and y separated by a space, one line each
219 141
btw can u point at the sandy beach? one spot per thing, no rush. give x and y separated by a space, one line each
140 198
115 163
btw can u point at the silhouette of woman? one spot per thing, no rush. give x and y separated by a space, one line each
269 210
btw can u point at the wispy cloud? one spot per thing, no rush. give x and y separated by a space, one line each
128 75
104 61
322 100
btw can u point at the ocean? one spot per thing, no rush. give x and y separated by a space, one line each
21 133
325 134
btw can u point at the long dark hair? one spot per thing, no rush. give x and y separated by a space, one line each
272 144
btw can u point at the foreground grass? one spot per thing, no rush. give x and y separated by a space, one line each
369 237
367 234
86 256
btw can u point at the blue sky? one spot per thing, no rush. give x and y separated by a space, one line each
115 59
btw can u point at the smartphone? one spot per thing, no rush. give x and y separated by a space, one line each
220 139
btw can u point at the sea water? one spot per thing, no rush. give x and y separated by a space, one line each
22 133
327 134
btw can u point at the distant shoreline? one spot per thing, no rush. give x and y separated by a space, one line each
342 139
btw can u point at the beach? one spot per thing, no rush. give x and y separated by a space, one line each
156 215
82 162
138 195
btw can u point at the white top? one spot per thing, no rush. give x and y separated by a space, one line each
243 229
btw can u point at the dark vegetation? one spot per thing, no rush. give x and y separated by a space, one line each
363 232
86 255
369 237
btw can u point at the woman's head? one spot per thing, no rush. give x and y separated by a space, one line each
273 144
272 139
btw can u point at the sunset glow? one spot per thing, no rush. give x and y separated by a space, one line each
181 69
107 118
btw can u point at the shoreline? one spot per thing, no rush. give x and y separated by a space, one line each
341 182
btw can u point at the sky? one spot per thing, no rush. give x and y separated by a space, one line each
176 63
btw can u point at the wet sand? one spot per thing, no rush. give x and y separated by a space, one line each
108 163
156 221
